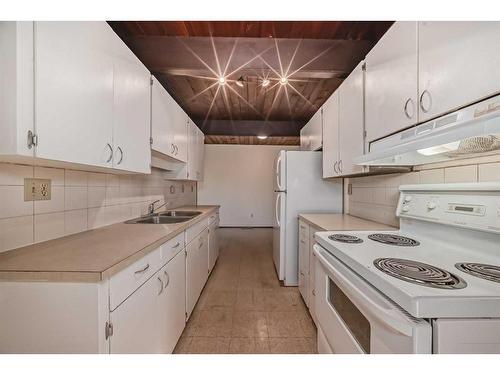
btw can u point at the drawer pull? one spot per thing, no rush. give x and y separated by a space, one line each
201 244
302 241
302 273
168 278
302 227
176 245
161 285
313 292
143 270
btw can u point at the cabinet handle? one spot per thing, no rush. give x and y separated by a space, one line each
313 292
173 149
168 278
110 154
176 245
425 94
176 149
121 156
161 285
340 166
201 244
302 273
408 114
142 270
335 167
302 241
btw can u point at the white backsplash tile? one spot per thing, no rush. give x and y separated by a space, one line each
489 172
12 202
49 226
466 173
79 201
16 232
432 176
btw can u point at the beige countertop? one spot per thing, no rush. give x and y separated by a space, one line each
342 222
93 255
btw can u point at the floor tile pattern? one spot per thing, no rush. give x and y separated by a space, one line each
243 308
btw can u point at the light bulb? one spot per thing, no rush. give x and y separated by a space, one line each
222 81
265 82
283 80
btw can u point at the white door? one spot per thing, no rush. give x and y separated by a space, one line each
279 234
172 303
316 131
212 245
74 92
458 65
331 136
131 112
196 269
391 82
351 122
161 119
135 323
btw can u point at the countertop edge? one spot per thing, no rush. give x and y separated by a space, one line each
376 224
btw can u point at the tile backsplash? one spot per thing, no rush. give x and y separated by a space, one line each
80 201
376 197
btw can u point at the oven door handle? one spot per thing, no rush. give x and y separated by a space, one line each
390 317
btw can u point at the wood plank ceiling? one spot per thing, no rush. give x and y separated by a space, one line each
188 58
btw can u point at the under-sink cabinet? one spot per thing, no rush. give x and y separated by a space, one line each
196 269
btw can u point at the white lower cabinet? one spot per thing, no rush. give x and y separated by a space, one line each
196 269
213 244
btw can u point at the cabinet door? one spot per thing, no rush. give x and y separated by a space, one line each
161 119
192 152
458 65
74 92
316 131
200 153
331 136
304 267
131 112
180 134
212 246
135 322
351 122
172 303
304 138
196 269
391 82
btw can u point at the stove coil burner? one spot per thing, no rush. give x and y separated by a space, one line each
483 271
346 238
419 273
393 239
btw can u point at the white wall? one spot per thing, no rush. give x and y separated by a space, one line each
240 179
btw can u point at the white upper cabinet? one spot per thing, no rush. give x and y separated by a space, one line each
168 124
131 111
391 82
311 135
74 92
331 136
458 65
16 88
351 122
196 151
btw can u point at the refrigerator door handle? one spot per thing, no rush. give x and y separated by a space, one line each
278 197
278 174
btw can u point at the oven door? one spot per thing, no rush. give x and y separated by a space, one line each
355 318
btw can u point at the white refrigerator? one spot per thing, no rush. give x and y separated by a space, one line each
298 188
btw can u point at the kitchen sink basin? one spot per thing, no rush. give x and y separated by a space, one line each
158 220
180 213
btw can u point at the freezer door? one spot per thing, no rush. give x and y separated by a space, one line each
280 172
279 234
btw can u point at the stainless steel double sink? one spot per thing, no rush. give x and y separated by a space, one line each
167 217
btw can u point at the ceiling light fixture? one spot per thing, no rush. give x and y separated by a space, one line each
283 80
222 81
265 82
240 81
262 136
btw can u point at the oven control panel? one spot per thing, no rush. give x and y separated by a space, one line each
471 209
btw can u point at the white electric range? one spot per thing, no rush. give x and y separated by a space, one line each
433 286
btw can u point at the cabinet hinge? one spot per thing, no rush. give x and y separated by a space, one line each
364 133
151 141
109 330
32 139
363 67
151 81
186 314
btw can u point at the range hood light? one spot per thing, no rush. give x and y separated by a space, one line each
441 149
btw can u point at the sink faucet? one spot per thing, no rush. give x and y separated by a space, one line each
152 208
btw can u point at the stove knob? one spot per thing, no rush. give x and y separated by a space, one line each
406 208
408 198
431 206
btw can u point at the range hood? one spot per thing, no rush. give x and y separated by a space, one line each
468 132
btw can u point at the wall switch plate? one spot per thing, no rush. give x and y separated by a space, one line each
37 189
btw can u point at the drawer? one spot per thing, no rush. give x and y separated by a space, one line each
127 281
170 248
195 229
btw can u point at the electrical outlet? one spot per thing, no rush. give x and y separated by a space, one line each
37 189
